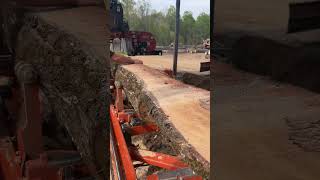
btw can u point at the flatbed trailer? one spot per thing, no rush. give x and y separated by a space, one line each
155 52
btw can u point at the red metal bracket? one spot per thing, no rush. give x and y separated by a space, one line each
119 100
121 145
157 159
30 134
138 130
28 160
10 161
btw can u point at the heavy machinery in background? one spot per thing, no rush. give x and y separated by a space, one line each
129 42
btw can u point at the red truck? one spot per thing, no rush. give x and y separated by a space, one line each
135 43
130 42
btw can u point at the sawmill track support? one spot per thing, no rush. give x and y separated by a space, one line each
125 123
22 152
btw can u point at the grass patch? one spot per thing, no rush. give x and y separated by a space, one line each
122 53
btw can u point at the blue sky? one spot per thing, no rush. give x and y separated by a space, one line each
195 6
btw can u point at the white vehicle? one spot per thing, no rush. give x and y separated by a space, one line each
207 54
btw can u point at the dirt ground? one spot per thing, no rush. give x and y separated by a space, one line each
186 62
253 140
262 129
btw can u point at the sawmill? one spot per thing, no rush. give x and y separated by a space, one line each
70 108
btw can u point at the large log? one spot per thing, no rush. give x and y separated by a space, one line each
69 50
180 110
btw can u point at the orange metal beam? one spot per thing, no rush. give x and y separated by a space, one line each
122 145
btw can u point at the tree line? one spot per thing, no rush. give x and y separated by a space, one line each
141 17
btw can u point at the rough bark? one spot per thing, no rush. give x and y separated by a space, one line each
74 79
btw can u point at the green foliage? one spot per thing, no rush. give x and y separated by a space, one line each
202 27
121 53
171 17
188 28
128 5
141 17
